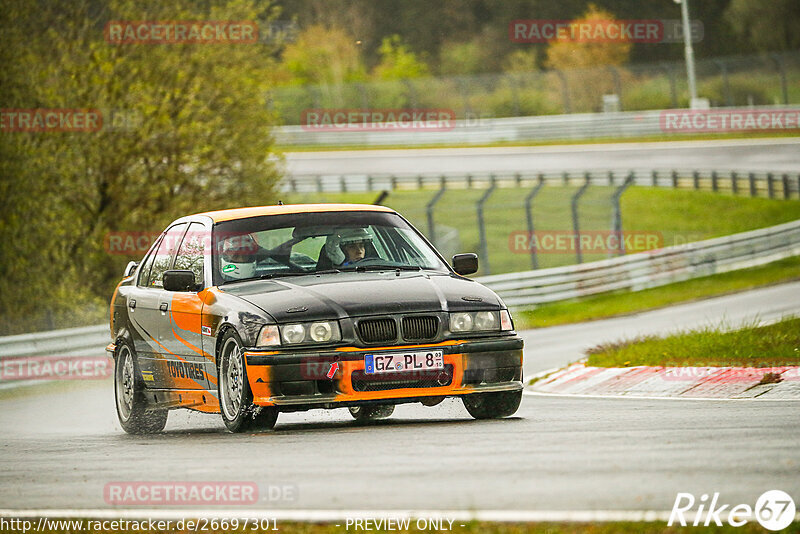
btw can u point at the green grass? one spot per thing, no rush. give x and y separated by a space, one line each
626 302
678 216
752 346
553 142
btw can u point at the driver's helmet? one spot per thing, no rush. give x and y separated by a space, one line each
238 257
345 236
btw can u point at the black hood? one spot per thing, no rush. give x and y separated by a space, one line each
356 294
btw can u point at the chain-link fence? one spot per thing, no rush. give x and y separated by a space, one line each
772 79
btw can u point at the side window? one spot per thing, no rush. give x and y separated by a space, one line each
144 272
192 252
163 255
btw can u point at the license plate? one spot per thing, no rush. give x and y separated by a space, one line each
397 362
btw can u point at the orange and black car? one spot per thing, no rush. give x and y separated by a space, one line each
255 311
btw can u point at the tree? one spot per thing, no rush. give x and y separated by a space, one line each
197 137
768 26
398 62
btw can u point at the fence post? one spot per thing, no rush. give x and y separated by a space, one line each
564 90
319 184
785 186
517 180
723 67
393 181
655 178
529 217
419 181
412 94
482 227
673 89
798 185
617 84
575 223
782 73
734 183
615 205
770 186
696 178
714 181
343 181
369 182
752 180
565 178
429 210
674 179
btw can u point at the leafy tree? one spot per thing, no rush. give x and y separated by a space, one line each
398 62
197 137
766 25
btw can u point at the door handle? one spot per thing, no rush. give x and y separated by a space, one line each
132 303
163 307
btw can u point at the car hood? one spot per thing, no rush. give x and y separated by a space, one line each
356 294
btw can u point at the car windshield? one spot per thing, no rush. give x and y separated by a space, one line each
309 243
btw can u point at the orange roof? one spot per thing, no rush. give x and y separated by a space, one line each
256 211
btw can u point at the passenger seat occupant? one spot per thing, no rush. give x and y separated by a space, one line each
238 256
347 246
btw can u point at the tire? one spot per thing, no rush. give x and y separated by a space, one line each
492 405
129 394
235 398
363 414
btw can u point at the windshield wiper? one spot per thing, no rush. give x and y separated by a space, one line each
327 271
387 268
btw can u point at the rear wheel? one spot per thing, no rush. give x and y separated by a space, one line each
492 405
371 413
235 398
129 392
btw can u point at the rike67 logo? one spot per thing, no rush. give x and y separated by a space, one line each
774 510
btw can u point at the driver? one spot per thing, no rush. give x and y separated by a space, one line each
347 246
239 255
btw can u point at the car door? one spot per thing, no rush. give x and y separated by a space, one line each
146 309
180 325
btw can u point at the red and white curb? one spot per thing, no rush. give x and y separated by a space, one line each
672 382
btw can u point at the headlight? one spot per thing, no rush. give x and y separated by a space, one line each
486 320
320 332
460 322
268 336
482 321
317 332
294 333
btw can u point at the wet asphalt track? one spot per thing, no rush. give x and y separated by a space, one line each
61 444
779 154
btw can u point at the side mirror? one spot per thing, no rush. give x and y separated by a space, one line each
465 264
130 268
178 280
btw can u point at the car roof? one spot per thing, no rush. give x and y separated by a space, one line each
257 211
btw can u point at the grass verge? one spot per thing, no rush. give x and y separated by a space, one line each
752 346
627 302
554 142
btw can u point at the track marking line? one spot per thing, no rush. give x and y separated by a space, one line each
649 397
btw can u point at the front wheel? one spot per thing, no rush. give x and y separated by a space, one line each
235 398
371 413
128 390
492 405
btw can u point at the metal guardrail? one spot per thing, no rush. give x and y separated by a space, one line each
760 183
634 272
648 269
579 126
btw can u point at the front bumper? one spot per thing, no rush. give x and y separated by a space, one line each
333 378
